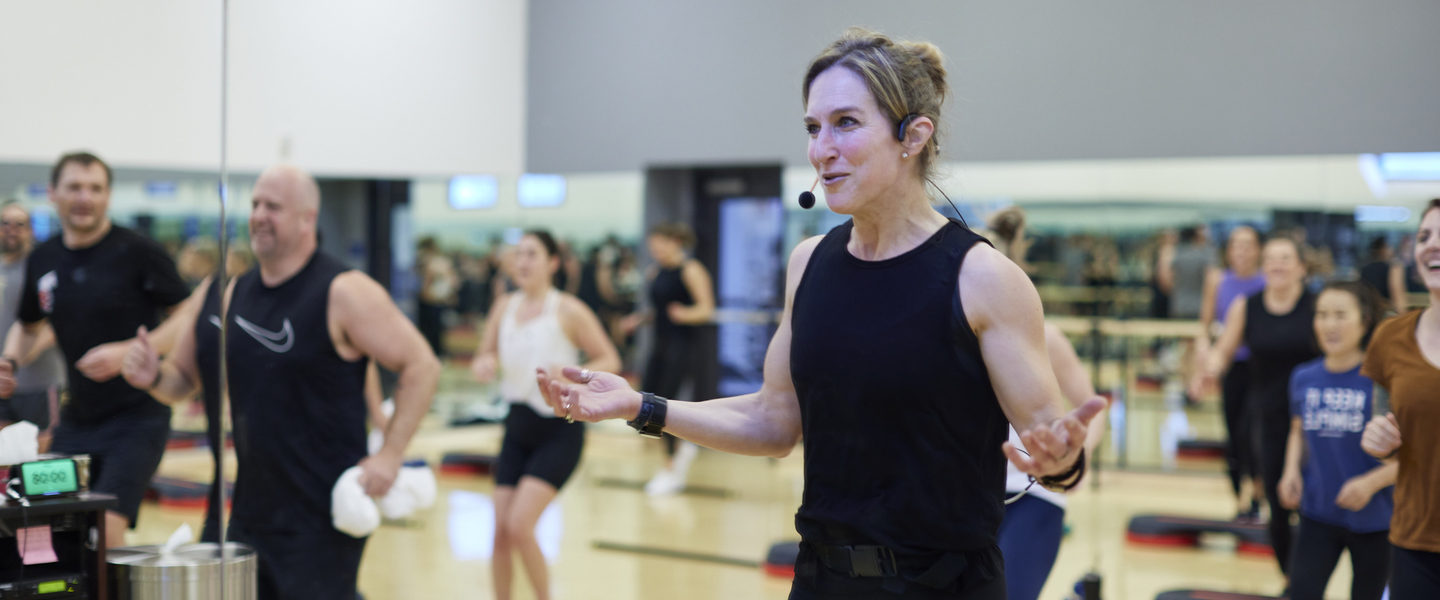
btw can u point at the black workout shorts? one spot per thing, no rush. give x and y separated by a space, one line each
544 447
27 406
124 452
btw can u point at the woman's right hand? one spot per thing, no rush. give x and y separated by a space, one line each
483 367
1382 436
603 396
1291 488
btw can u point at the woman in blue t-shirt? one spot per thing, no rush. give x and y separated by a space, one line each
1343 494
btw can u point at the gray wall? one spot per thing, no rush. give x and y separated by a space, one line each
626 83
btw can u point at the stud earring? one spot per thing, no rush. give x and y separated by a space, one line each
904 155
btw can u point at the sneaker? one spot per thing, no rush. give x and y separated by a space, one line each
665 483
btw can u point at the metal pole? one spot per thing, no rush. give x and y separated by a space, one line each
222 273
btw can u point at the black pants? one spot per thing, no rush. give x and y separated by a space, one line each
432 326
1239 457
315 565
669 366
1271 430
1415 575
1317 551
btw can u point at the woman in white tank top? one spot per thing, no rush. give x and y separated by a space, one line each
534 328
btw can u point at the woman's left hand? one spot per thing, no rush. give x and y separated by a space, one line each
1355 494
1053 448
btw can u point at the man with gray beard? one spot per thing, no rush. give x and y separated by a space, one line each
42 371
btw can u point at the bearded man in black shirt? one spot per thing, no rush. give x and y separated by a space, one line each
95 284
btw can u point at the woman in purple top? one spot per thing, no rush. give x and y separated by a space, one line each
1241 277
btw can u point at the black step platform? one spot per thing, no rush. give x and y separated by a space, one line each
1209 595
465 463
1169 530
1201 449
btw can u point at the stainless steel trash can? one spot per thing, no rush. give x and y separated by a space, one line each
191 573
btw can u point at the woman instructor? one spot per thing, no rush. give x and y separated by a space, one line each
898 365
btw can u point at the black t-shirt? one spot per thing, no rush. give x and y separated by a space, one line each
98 295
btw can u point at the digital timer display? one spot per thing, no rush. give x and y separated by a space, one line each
49 477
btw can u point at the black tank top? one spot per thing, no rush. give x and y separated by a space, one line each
669 287
902 427
298 408
1278 343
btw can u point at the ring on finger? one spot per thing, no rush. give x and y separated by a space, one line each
568 417
586 375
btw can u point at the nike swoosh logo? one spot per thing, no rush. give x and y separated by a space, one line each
215 320
267 338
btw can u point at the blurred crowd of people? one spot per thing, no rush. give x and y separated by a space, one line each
457 288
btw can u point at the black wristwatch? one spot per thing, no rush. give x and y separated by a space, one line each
651 420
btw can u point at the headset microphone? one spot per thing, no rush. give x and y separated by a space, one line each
807 198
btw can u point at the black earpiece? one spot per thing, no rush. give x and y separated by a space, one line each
904 125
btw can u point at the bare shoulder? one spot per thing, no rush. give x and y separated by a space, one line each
571 307
988 267
800 256
355 289
694 267
994 289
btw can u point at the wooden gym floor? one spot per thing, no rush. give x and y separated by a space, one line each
737 508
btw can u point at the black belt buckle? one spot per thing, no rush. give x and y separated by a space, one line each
872 561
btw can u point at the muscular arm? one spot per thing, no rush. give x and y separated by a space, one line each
1004 310
365 322
766 423
375 397
1073 379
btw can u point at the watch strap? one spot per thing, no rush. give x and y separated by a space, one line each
651 420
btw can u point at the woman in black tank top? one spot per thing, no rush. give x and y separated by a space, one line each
681 299
1278 325
906 345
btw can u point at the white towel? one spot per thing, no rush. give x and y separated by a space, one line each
357 514
414 490
351 510
19 443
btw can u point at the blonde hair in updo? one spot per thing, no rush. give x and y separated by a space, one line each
904 77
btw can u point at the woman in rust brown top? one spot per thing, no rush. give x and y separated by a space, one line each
1403 359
